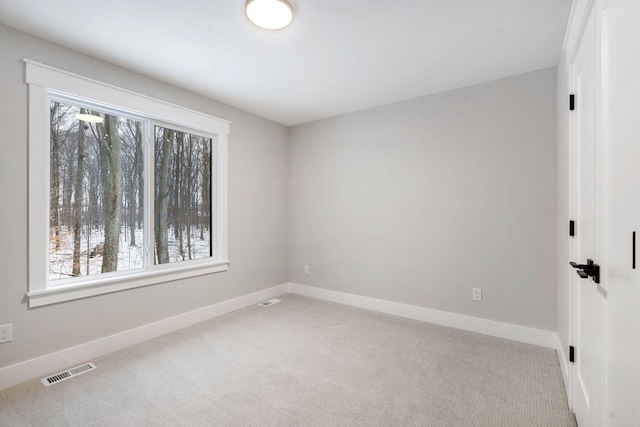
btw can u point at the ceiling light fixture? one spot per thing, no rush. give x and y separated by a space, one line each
89 118
269 14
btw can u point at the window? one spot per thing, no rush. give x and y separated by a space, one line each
182 196
124 190
96 187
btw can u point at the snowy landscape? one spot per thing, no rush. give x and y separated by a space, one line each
129 257
97 188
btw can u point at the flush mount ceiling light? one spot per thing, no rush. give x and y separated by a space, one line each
269 14
89 118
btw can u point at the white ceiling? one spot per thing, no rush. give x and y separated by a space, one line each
336 57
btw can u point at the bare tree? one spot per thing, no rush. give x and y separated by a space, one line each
162 196
139 168
77 198
178 192
54 201
138 172
134 182
206 187
187 189
113 210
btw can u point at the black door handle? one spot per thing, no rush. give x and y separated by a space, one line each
589 264
587 270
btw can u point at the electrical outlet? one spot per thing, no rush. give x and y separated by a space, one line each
306 269
6 332
477 294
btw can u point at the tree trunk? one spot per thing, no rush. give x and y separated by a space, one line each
206 187
114 195
162 211
77 199
54 201
139 168
68 178
135 182
88 266
132 211
188 183
98 192
178 193
103 154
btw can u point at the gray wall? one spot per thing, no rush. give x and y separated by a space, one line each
415 202
420 201
257 211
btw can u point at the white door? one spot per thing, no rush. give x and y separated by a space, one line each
622 139
588 295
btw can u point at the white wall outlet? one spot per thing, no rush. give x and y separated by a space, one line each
477 294
306 269
6 332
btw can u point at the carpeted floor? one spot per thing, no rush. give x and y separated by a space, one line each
304 362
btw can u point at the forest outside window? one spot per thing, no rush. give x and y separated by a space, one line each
124 190
96 215
182 196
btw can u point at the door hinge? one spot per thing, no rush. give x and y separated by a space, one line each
572 228
572 354
572 102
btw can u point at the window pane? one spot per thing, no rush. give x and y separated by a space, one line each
182 196
96 192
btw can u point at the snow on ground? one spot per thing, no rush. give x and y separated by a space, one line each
129 257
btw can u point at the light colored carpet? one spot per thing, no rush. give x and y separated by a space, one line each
305 362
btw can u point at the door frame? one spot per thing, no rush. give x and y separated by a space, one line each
579 15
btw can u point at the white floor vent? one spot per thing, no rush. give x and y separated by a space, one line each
61 376
270 302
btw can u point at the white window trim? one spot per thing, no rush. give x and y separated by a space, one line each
42 78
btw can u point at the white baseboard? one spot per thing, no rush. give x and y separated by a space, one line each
61 360
564 367
473 324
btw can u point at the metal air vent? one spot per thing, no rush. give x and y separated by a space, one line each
61 376
270 302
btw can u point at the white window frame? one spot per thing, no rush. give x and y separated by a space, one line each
42 81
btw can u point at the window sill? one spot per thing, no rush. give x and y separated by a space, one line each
120 283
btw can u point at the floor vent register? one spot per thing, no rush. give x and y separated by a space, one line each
73 372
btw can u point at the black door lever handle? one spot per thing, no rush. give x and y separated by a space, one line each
589 264
587 270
